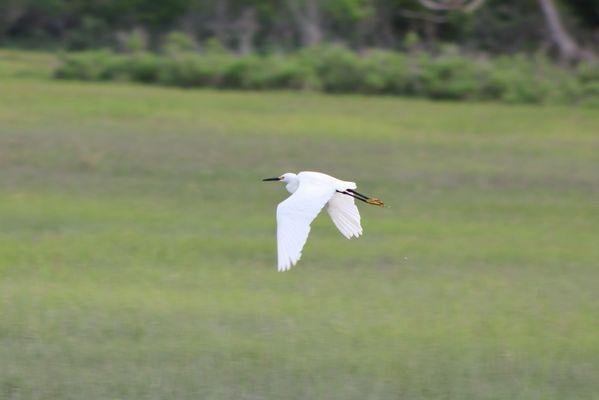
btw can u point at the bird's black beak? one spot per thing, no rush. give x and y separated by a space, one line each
271 179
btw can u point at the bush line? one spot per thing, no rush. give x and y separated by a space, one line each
336 69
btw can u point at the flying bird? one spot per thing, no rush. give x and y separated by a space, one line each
310 192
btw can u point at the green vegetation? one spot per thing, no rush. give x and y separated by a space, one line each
496 26
334 69
138 248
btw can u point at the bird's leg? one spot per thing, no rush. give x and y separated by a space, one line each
370 200
355 195
352 195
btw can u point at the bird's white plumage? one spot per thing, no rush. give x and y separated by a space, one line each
294 216
345 215
296 213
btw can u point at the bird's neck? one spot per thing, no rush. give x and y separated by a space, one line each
292 185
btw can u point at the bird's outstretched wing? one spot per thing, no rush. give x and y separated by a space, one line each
345 215
294 216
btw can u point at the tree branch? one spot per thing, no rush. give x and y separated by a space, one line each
450 5
569 50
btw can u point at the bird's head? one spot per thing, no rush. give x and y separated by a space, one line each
286 177
289 178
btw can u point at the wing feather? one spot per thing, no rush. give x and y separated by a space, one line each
294 216
345 215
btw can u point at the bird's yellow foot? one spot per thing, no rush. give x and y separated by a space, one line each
375 202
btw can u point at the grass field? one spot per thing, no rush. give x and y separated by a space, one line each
137 247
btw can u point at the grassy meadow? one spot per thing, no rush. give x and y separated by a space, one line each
138 254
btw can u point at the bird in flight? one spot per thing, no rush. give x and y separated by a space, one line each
310 192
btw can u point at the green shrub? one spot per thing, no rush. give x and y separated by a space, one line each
134 41
179 42
214 46
242 73
588 71
279 72
195 70
89 65
293 74
588 77
339 69
519 79
589 93
514 80
453 76
143 67
450 75
389 73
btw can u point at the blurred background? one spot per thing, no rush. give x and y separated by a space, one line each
137 241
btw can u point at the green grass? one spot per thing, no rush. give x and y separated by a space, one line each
137 247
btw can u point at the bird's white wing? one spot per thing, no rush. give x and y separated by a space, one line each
345 215
294 216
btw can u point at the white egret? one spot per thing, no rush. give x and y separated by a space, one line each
310 192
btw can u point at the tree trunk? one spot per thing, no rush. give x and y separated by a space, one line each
307 21
383 27
448 5
569 50
247 26
311 32
220 25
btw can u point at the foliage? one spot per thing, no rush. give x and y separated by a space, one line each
134 41
452 76
336 69
176 42
499 26
339 69
91 65
189 70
